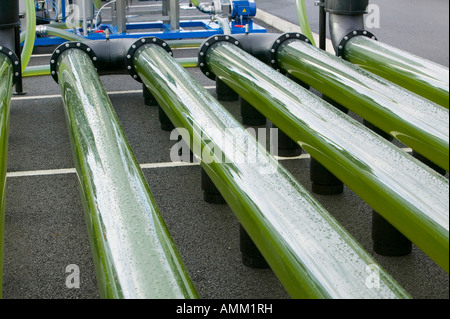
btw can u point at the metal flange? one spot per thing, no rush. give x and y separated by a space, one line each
15 62
136 45
283 38
67 46
204 50
348 36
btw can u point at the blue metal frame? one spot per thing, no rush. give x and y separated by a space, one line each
203 29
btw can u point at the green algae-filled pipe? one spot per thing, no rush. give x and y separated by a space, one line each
415 121
419 75
311 254
134 255
6 83
408 194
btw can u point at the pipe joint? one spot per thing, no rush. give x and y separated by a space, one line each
272 51
14 60
41 29
346 17
347 7
265 47
9 14
205 48
134 49
109 57
356 33
70 46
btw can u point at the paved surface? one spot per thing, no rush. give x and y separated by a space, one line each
45 227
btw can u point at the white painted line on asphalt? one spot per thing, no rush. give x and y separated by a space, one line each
54 96
66 171
41 172
35 97
286 26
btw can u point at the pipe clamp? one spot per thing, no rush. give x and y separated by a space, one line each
204 50
352 34
15 62
67 46
283 38
135 46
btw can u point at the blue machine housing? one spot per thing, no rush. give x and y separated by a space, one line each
242 14
245 9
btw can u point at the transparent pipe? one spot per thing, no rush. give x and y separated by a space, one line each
421 76
312 255
6 83
407 193
134 255
417 122
30 35
36 70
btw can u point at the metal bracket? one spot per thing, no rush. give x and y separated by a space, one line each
136 45
67 46
348 36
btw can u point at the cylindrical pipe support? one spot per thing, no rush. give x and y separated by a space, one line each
281 218
133 252
412 197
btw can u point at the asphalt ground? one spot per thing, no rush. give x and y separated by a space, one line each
45 229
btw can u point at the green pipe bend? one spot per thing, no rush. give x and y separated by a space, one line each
30 35
303 20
